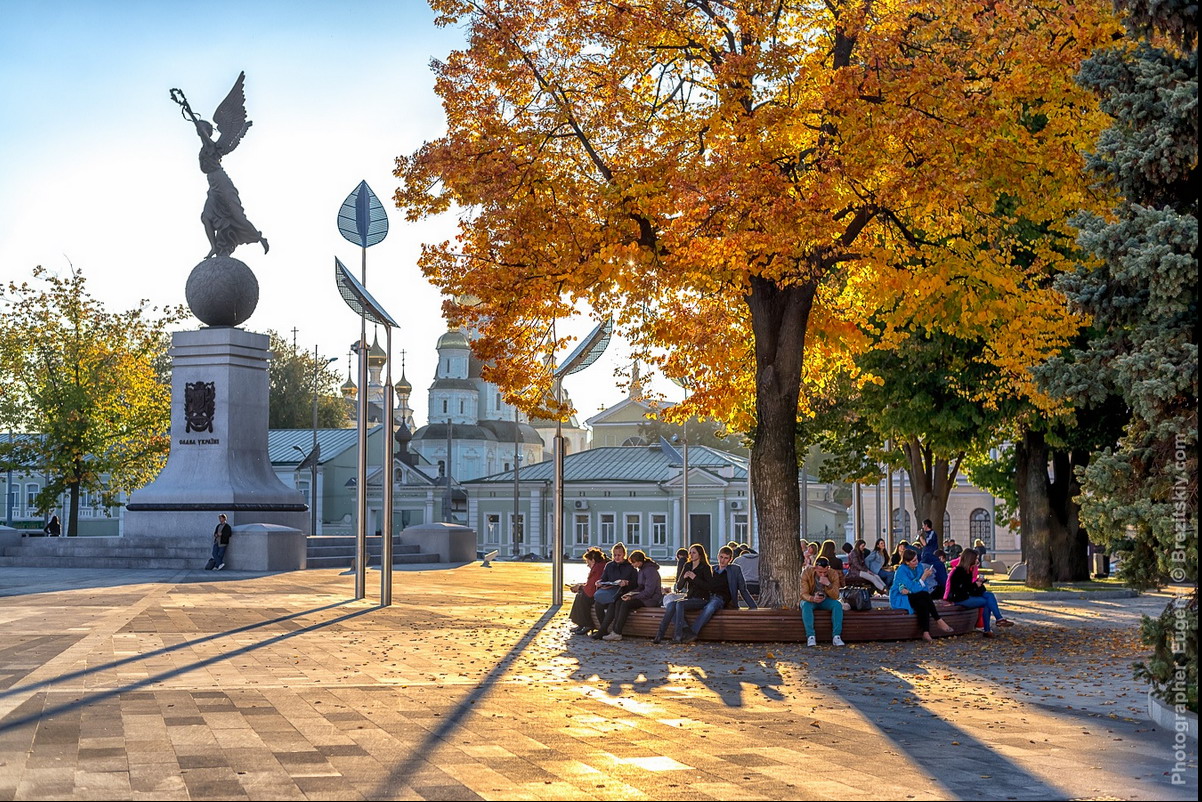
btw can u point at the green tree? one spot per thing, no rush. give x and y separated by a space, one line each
86 382
291 375
1142 294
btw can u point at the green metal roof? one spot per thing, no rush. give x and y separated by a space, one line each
625 464
333 442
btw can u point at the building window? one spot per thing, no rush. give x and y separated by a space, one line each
31 496
498 400
980 527
901 525
303 487
659 529
740 527
634 529
581 527
493 526
947 526
517 527
609 525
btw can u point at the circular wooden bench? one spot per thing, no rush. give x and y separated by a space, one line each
776 624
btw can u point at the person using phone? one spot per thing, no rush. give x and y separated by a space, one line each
909 593
966 592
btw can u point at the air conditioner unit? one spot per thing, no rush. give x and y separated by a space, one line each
580 504
737 505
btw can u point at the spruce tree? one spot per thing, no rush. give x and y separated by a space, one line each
1141 292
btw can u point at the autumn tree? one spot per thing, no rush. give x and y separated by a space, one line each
1142 292
291 376
740 183
85 383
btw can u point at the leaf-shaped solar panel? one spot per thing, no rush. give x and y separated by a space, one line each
362 219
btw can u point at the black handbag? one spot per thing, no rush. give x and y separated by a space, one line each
857 598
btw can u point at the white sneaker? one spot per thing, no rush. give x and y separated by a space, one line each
218 568
837 641
611 636
811 641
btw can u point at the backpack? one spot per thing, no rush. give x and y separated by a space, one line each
857 598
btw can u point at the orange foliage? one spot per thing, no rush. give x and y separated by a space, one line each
649 157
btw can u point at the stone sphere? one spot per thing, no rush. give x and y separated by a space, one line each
222 291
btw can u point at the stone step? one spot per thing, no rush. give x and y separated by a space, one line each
374 561
183 554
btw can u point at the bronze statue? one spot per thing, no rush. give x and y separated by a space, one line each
223 217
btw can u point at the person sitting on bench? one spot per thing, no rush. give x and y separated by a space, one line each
965 591
695 579
749 561
618 577
857 567
649 593
582 605
820 591
728 587
909 593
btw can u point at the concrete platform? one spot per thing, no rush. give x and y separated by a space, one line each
194 685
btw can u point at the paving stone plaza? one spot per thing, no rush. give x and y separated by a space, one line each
194 685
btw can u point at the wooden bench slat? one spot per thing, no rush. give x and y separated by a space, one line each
785 624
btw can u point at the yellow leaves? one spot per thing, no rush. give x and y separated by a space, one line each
632 156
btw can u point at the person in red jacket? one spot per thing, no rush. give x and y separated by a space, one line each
582 605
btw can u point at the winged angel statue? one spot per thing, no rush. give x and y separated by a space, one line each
223 217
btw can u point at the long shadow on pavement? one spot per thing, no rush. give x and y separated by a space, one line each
88 699
450 723
165 650
975 770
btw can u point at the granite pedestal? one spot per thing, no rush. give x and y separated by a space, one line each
218 461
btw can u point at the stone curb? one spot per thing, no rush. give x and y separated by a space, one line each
1164 716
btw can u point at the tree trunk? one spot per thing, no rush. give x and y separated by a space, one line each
779 316
72 515
931 481
1070 548
1055 546
1034 508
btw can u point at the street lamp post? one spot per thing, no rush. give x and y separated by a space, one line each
359 300
589 351
362 221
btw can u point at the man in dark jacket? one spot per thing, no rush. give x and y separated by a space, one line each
221 541
727 586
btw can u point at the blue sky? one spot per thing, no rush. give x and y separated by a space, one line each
98 167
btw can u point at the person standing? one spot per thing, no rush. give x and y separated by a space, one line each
930 542
221 541
53 528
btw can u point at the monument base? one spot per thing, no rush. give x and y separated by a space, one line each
218 461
